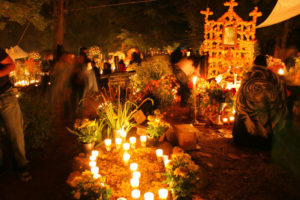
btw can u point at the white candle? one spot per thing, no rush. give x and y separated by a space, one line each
107 144
118 142
149 196
93 158
136 174
126 146
123 134
163 194
159 154
135 194
133 167
95 153
231 119
96 176
126 158
95 170
92 164
225 120
132 141
143 139
280 72
166 162
134 182
165 157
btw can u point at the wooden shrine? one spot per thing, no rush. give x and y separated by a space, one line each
229 41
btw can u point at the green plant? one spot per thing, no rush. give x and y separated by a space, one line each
86 130
182 175
156 125
119 115
86 187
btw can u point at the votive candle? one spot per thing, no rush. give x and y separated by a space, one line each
134 182
231 119
118 143
159 154
95 153
133 167
225 120
132 141
135 194
96 176
126 146
92 164
136 174
93 158
107 144
95 170
148 196
163 194
126 157
143 139
123 134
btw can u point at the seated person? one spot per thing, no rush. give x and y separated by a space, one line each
261 109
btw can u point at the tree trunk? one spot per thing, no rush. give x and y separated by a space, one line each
58 18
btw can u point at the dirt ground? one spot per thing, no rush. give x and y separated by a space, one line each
231 172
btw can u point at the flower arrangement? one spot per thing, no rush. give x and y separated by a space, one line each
87 131
35 56
182 174
87 187
155 78
156 125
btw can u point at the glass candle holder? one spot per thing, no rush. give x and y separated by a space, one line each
148 196
143 139
126 157
107 144
95 153
159 154
118 142
136 174
132 141
133 167
92 164
135 194
135 182
163 194
126 146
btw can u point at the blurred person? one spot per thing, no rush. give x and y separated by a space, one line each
261 109
11 116
97 73
122 66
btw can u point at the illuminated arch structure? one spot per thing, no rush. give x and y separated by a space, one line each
229 41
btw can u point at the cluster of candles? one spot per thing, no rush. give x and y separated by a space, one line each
228 120
126 146
93 164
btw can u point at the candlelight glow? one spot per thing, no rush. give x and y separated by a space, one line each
134 182
107 144
133 166
126 158
159 152
92 164
95 153
218 79
95 176
225 120
149 196
194 80
136 174
163 193
93 158
231 119
132 141
143 139
118 142
126 146
135 194
166 162
95 170
123 133
280 71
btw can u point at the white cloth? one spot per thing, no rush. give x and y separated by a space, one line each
283 10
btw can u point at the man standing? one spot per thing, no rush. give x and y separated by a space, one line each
10 114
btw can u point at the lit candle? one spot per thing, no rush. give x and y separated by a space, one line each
132 141
135 182
123 134
135 194
95 170
118 142
163 194
231 119
280 72
143 139
225 120
165 157
136 174
133 167
166 162
159 154
126 158
126 146
93 158
95 153
96 176
149 196
107 144
92 164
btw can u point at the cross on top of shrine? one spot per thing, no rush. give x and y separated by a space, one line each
206 12
231 4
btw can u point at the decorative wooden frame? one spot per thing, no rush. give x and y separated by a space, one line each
229 40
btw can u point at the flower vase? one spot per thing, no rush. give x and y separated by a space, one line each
88 147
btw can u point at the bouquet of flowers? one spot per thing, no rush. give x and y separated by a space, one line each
87 187
156 125
85 130
94 52
182 175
